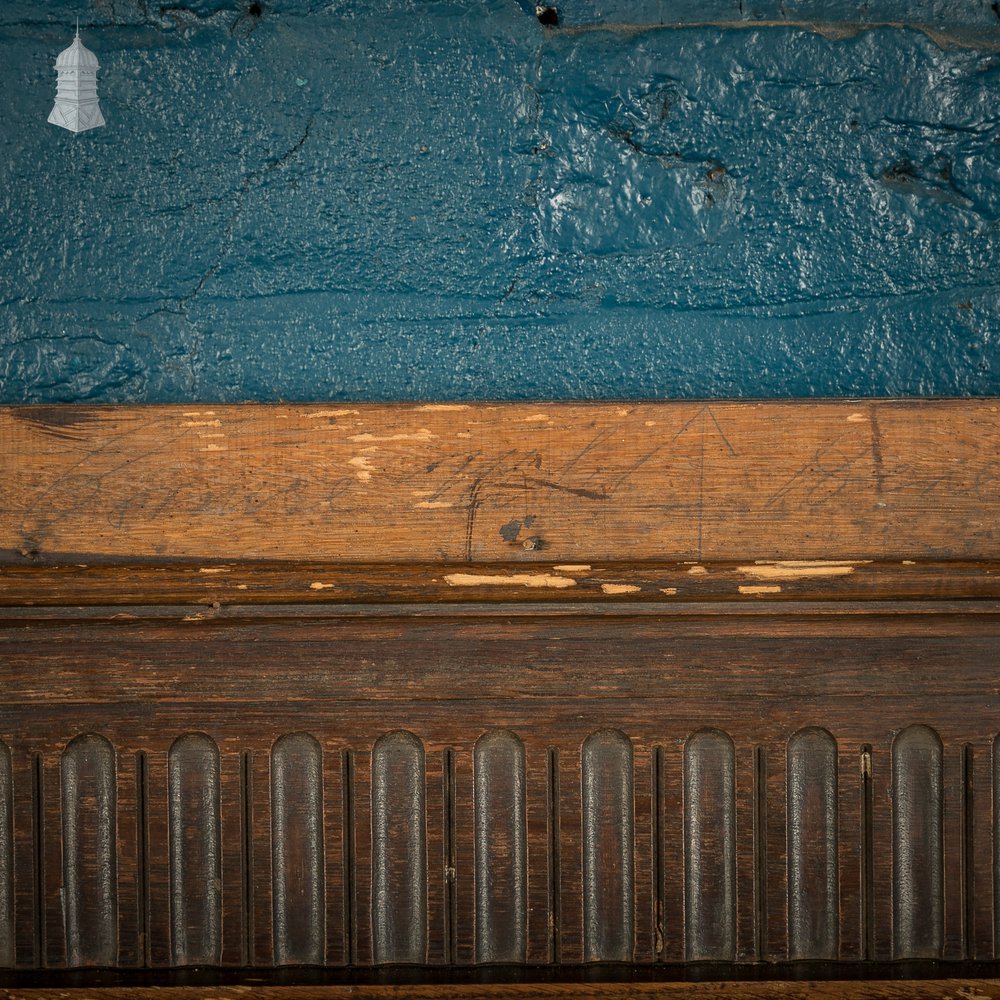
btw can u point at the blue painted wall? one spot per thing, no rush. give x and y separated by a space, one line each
401 200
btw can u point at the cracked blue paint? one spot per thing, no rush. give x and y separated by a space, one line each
445 200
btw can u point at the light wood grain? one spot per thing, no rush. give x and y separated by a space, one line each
526 483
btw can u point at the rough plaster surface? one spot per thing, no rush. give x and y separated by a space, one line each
443 199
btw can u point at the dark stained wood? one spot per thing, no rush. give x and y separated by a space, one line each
211 583
7 945
501 857
813 893
917 844
899 989
710 847
297 851
608 847
525 685
195 851
90 890
399 850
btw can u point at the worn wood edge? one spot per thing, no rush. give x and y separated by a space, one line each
939 989
228 583
524 483
945 617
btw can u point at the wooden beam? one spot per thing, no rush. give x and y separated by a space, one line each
665 502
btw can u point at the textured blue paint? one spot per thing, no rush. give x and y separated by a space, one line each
404 200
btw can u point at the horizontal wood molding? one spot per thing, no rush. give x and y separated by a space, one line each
371 689
550 502
896 989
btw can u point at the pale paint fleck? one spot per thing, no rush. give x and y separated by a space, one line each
759 589
623 413
573 567
200 413
320 586
202 423
909 562
364 467
331 413
536 417
650 423
463 434
799 569
620 588
698 571
517 580
669 591
214 447
214 569
422 435
241 586
433 504
855 418
444 406
214 434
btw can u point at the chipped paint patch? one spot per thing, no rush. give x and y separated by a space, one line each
421 435
669 591
649 423
331 413
364 467
623 413
800 569
444 406
320 586
241 586
620 588
214 569
536 417
202 423
433 504
215 447
202 434
518 580
855 418
759 589
909 562
573 567
698 571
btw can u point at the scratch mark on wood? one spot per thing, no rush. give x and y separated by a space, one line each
470 522
877 467
575 491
